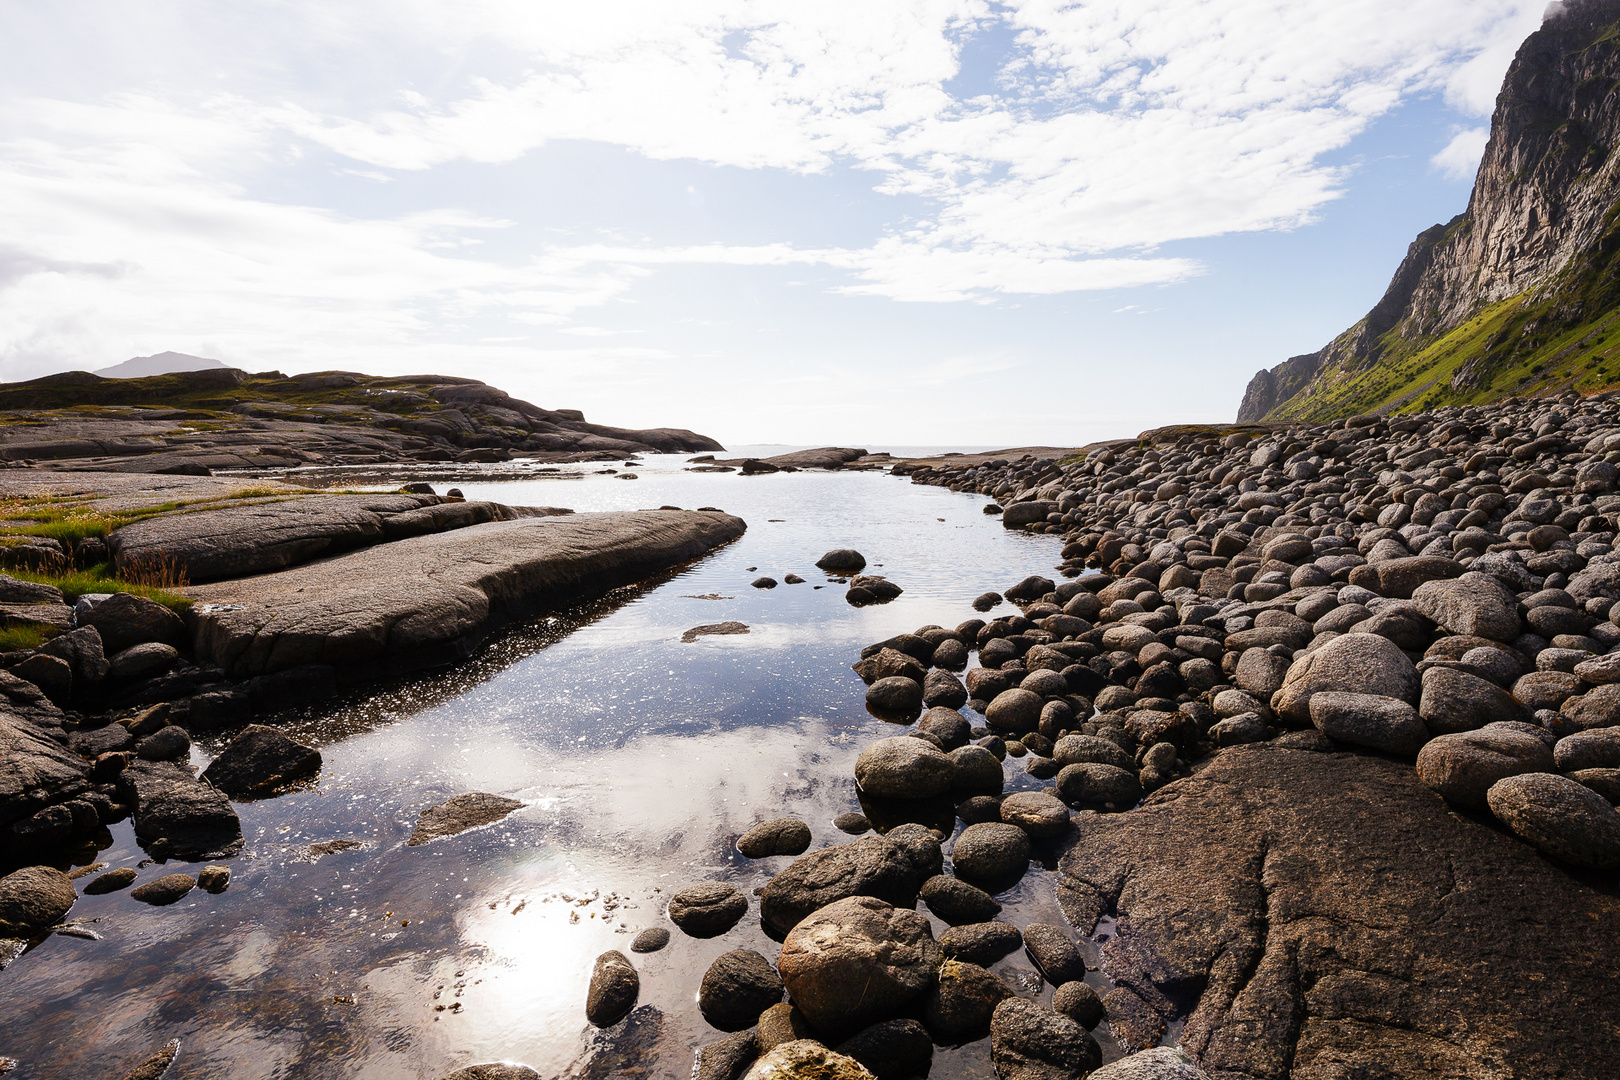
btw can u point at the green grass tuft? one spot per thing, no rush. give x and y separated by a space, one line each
100 579
18 638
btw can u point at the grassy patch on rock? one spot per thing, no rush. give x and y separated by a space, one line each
102 579
22 637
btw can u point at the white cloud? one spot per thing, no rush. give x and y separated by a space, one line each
1459 158
162 196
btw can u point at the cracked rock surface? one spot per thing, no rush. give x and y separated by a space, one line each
1374 932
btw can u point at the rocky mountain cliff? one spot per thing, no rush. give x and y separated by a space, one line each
1520 293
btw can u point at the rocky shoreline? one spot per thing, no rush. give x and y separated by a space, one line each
1315 722
309 592
1329 736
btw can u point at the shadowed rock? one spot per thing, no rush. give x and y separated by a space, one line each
171 804
259 760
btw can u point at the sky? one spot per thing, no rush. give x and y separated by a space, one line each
874 223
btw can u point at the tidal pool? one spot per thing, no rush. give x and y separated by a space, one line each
640 759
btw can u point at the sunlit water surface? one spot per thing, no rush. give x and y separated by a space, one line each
640 758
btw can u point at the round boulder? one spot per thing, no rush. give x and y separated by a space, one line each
707 910
1091 749
1015 711
1092 783
1561 817
873 866
613 990
778 836
1080 1003
856 962
1037 813
1054 954
957 902
893 1048
991 852
738 986
806 1058
959 1005
1462 766
650 940
1353 663
842 561
33 899
1381 723
111 881
977 772
980 943
1455 700
904 768
1028 1041
1598 748
895 696
164 890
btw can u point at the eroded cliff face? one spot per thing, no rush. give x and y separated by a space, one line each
1536 240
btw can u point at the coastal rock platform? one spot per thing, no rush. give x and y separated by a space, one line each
431 597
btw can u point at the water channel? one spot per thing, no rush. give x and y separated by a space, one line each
640 758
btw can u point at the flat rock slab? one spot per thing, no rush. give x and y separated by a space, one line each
427 598
714 628
459 814
256 538
1322 915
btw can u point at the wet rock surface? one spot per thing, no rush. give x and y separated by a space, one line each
707 910
1246 881
33 899
613 990
420 596
458 814
259 760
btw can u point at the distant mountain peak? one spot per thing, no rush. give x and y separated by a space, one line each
139 367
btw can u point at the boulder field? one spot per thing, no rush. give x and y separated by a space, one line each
1325 717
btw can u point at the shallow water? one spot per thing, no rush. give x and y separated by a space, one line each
640 758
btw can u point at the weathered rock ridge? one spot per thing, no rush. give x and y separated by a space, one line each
1513 295
222 418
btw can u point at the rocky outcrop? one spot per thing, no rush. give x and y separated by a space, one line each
238 541
430 598
170 804
194 421
1268 389
1302 910
1511 278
